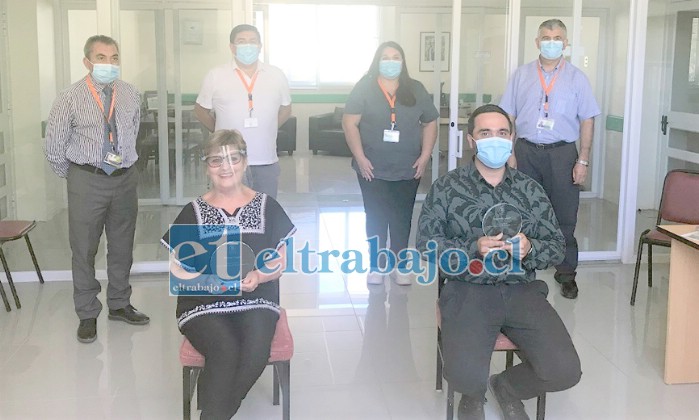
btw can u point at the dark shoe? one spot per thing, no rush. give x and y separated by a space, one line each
129 314
87 330
511 407
569 289
470 409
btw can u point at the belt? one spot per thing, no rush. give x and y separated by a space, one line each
544 146
96 170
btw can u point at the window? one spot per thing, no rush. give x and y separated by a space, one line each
318 45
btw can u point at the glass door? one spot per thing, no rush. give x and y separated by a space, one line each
425 38
597 46
469 70
680 123
482 70
168 50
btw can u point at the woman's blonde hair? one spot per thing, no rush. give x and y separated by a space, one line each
220 138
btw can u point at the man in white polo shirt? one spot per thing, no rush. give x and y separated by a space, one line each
251 97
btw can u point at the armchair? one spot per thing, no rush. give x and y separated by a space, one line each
286 136
325 133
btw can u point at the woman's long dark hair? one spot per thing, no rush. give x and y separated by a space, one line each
404 95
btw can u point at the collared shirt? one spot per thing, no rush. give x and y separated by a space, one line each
224 93
453 211
76 126
570 101
391 161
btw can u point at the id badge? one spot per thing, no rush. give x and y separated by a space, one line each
250 122
545 124
113 159
391 136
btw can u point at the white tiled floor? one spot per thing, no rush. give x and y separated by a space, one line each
360 353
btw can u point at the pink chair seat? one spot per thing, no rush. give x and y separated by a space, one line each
15 229
656 236
282 346
502 343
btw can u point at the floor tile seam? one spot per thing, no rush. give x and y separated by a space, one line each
604 356
345 279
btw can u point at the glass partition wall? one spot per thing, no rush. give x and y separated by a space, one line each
168 47
598 39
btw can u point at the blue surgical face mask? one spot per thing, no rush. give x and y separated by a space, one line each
247 53
494 151
390 69
551 50
105 73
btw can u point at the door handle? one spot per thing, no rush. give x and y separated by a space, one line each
663 124
460 144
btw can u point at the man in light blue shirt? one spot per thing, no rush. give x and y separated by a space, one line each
552 105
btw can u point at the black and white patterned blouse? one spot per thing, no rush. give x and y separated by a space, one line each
263 224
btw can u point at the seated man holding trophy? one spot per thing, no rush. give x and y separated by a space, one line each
491 212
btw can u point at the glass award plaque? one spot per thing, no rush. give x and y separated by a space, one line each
502 218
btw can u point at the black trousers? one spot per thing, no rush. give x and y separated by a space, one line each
236 347
389 208
472 317
553 169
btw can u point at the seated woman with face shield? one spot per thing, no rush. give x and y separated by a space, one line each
230 323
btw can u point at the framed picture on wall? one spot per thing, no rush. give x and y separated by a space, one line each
428 51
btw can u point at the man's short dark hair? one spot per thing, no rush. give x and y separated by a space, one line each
552 24
484 109
244 28
102 39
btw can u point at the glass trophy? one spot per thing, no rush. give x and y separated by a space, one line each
502 218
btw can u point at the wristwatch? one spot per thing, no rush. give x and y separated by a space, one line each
583 162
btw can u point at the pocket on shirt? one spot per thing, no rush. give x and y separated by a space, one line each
563 102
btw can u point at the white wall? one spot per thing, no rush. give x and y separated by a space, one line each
28 103
483 40
82 24
48 87
616 82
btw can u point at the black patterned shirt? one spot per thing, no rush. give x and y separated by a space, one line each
263 224
453 211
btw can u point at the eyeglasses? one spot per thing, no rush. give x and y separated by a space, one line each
217 161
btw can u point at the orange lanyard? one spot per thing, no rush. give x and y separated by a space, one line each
107 118
248 87
391 101
548 88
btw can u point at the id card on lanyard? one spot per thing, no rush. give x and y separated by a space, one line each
546 123
112 157
250 121
392 135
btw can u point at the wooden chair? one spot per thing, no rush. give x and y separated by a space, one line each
502 343
679 203
280 358
11 230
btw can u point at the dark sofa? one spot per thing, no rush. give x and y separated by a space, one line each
325 133
286 136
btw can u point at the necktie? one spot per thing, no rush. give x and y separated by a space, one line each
108 127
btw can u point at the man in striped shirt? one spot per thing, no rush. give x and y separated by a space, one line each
91 141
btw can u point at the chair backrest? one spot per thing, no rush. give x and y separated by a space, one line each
680 199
